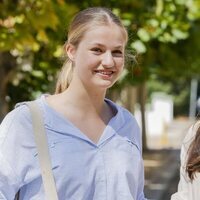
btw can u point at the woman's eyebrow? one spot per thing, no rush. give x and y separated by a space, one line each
97 44
102 45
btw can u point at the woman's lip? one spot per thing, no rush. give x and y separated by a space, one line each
104 72
104 75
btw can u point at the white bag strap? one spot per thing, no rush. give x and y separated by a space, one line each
43 153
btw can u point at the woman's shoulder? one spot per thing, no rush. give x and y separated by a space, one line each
121 110
17 123
128 126
17 114
20 112
189 137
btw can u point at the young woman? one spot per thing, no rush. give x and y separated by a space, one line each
94 144
189 184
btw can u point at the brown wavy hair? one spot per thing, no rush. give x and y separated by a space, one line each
193 162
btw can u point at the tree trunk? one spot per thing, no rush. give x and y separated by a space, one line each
142 102
131 98
3 103
7 66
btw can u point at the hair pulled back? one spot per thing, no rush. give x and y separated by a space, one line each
83 21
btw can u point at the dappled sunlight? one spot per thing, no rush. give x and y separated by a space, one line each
156 186
152 163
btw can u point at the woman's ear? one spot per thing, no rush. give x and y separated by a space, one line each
70 50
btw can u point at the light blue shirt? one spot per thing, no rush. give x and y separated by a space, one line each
112 169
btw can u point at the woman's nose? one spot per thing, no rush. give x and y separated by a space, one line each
107 60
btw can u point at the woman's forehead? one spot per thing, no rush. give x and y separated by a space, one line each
101 35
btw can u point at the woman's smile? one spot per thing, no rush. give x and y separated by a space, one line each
105 74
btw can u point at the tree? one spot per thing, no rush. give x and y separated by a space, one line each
31 33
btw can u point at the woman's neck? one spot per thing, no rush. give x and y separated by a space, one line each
76 103
86 99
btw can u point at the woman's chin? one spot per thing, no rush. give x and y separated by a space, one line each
105 84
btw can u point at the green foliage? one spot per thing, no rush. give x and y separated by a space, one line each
163 38
34 32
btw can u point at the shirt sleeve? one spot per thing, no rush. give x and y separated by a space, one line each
142 178
16 145
132 131
140 195
136 136
9 182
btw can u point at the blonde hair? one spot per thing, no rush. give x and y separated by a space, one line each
83 21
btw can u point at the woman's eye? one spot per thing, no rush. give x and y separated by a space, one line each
97 50
117 53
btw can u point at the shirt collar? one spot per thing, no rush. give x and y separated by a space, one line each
56 122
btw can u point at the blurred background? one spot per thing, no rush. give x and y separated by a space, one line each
162 88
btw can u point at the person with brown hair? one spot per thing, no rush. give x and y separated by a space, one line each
189 184
94 144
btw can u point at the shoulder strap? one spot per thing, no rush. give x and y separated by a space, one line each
43 153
